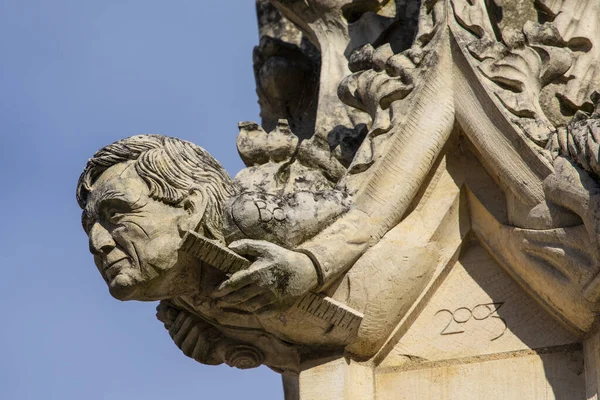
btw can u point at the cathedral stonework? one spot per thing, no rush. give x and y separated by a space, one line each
419 216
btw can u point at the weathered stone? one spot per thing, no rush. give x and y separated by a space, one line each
418 216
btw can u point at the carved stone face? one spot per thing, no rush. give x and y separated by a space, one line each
134 238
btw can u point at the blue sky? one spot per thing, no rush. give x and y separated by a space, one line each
76 75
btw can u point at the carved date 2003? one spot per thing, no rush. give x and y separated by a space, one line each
481 312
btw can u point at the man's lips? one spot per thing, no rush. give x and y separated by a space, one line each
112 269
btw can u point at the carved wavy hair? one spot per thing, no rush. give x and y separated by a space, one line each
170 167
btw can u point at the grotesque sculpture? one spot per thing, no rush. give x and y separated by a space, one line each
141 195
437 133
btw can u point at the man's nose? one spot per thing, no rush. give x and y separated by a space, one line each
101 242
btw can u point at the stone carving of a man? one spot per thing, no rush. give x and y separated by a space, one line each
141 195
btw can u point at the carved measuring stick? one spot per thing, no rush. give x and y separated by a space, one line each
229 262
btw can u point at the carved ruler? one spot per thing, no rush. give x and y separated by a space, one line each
315 304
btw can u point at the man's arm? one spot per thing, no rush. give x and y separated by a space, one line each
384 193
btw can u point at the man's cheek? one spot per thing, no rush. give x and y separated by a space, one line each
100 266
161 252
129 238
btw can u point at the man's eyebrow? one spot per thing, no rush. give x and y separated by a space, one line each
93 207
91 211
110 195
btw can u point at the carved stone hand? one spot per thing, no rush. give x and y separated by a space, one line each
276 280
196 338
573 188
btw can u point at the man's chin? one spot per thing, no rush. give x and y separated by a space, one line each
123 287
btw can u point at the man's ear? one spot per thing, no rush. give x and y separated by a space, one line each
194 206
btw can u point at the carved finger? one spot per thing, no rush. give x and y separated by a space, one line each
180 335
239 280
267 310
189 343
572 237
199 351
179 320
249 247
240 296
205 347
257 302
569 186
166 313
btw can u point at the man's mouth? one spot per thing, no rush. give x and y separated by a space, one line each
112 269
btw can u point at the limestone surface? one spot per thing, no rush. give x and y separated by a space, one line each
419 216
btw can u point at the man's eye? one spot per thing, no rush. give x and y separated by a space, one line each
114 215
86 223
87 227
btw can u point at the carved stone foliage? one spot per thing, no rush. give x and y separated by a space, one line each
577 23
531 61
543 72
520 64
381 77
312 52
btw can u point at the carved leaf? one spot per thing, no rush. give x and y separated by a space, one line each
530 60
518 73
578 22
473 16
371 90
390 78
381 77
